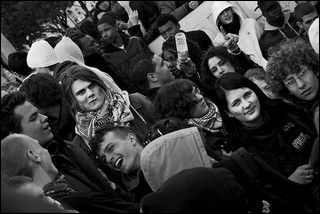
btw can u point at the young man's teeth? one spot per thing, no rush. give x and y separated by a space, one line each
117 163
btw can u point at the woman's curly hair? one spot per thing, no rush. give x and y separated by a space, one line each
286 58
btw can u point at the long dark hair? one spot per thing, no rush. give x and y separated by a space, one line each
207 77
232 81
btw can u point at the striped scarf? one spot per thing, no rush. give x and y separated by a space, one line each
116 109
211 121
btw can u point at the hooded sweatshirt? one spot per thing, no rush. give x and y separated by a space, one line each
172 153
249 33
272 35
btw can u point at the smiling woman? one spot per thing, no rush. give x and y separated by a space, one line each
268 128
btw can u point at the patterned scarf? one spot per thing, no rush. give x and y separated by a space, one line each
211 121
116 109
58 188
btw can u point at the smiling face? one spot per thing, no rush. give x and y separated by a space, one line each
121 153
226 16
33 123
89 96
244 105
219 66
304 85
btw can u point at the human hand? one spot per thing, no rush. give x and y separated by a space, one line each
193 4
187 66
123 26
133 17
303 175
231 40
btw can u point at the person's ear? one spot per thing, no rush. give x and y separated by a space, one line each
132 138
299 24
228 113
179 26
152 77
34 156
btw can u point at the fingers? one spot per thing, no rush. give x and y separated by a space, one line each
223 32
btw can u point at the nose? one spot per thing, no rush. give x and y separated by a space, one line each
300 83
246 104
104 35
43 118
90 93
220 70
168 64
109 159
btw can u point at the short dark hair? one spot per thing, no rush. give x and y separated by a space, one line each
10 123
76 38
303 9
17 62
175 100
108 18
43 90
164 18
96 141
141 65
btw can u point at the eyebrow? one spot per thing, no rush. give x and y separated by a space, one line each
33 114
107 148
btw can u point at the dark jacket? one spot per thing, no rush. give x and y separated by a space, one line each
104 64
143 111
64 125
151 93
121 58
84 177
272 35
284 141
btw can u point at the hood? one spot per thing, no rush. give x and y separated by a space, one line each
66 49
172 153
219 6
269 27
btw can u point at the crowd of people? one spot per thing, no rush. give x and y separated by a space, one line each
96 122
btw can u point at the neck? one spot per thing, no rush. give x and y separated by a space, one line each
257 122
154 85
41 178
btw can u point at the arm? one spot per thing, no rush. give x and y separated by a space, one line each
170 7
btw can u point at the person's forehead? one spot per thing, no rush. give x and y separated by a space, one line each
168 24
104 25
25 110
